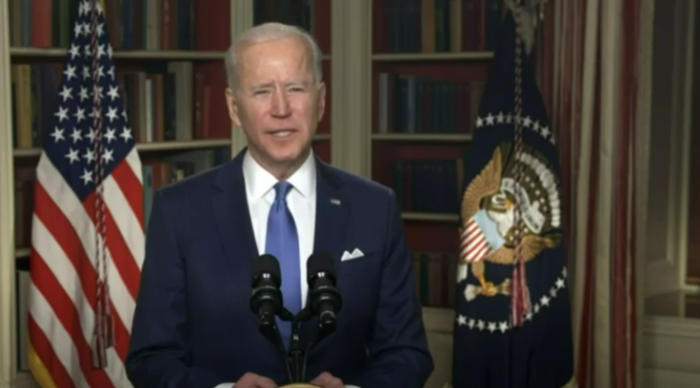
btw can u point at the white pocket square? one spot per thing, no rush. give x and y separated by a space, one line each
354 255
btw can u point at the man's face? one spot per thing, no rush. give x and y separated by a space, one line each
277 103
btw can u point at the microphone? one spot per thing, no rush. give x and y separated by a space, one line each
325 300
266 300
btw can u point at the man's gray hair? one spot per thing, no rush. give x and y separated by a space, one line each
264 33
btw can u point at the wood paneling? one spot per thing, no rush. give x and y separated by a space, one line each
693 259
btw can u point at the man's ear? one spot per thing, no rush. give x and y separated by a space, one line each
232 104
321 105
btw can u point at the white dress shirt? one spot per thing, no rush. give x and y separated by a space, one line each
301 201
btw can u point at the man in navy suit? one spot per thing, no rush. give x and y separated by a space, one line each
193 326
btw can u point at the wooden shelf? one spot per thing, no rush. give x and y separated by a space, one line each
476 55
22 253
191 55
161 146
131 54
447 137
438 320
183 145
26 152
412 216
146 147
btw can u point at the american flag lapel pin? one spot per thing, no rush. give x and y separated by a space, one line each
335 201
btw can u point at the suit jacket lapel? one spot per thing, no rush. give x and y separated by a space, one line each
332 211
230 208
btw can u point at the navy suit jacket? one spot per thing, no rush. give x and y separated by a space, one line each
193 326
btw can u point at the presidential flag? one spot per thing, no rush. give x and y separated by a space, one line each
87 226
513 319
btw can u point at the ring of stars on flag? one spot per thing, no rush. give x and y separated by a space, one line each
503 326
507 118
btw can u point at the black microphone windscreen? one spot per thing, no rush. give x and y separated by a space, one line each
267 264
320 262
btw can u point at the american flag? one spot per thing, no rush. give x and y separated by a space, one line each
87 226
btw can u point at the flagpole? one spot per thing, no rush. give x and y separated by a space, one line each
520 298
103 334
520 302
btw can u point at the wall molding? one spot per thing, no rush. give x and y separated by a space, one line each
351 77
672 327
22 380
669 152
241 20
438 320
686 128
7 243
670 352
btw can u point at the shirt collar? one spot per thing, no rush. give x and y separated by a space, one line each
259 181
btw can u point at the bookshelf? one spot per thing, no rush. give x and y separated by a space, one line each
145 50
429 60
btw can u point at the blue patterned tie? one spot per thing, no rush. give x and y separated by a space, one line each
282 241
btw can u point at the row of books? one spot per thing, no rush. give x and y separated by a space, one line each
313 16
165 104
169 103
439 25
301 13
132 24
22 284
34 101
413 104
42 23
155 175
436 274
152 25
25 179
428 185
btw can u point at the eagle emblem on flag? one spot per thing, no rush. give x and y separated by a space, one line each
489 208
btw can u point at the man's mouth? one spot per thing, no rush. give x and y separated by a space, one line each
282 133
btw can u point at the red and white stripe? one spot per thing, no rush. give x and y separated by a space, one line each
62 295
473 244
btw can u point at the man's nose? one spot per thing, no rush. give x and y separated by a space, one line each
280 104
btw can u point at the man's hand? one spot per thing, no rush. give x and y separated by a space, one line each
251 380
327 380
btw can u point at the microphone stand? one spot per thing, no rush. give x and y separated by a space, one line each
286 316
297 355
